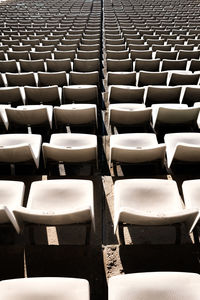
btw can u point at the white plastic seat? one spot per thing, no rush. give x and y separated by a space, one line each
45 207
8 66
20 148
11 95
80 94
30 115
162 94
174 114
31 65
182 147
45 287
48 95
11 196
121 78
75 114
125 94
84 78
183 78
129 114
150 202
71 148
20 79
154 285
52 78
136 148
191 190
152 78
3 116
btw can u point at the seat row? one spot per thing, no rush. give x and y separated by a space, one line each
162 117
45 53
127 148
44 116
153 284
89 94
144 78
154 94
49 78
153 65
61 47
136 202
119 115
49 65
50 95
149 54
68 148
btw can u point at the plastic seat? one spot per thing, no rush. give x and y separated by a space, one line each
125 94
82 78
31 65
93 47
166 54
191 95
191 193
11 95
183 47
121 78
3 117
187 78
58 65
151 65
166 115
52 78
80 94
40 55
138 47
162 94
119 65
86 65
20 79
8 66
39 48
81 54
152 42
114 41
9 43
20 148
58 54
48 95
189 54
152 78
59 288
174 42
142 54
53 42
136 148
157 47
71 148
168 64
12 195
73 205
138 202
75 114
18 55
2 82
154 285
66 47
31 42
2 55
129 114
182 147
194 65
30 115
